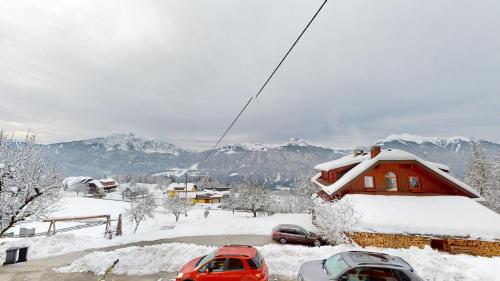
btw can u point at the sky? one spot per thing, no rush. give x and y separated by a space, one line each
180 71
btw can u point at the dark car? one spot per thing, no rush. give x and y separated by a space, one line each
229 263
290 233
358 266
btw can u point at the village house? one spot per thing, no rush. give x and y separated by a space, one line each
194 194
102 185
403 200
186 191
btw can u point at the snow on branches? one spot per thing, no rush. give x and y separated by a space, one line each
335 219
483 174
29 186
253 197
176 206
140 208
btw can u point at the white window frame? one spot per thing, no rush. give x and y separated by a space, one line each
370 180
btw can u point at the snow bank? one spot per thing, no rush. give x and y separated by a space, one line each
139 260
285 260
436 215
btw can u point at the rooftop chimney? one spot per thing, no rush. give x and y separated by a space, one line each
357 152
374 151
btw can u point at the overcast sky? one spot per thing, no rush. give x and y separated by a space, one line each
181 70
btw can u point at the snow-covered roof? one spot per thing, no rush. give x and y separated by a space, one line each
342 162
391 155
426 215
351 160
180 186
74 180
97 183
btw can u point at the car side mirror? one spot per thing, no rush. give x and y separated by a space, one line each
207 270
343 278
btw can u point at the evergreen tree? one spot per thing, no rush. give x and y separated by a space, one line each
482 174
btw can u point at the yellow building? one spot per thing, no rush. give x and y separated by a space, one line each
178 189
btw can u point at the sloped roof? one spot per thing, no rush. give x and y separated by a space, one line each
351 160
392 155
342 162
97 183
425 215
180 186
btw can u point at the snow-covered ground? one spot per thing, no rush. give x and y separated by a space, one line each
285 260
219 222
427 215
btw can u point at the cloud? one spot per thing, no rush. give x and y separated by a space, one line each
180 71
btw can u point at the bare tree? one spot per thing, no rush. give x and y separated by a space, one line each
335 219
176 206
29 186
140 208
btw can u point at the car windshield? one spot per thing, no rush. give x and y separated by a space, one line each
206 258
335 265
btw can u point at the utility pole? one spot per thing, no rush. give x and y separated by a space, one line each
186 181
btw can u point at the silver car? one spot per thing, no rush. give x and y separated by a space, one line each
358 266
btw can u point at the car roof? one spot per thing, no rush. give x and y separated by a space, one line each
293 226
236 250
361 258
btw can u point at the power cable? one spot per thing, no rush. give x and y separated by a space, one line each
261 88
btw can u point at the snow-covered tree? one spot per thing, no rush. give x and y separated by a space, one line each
176 206
207 182
30 186
132 191
305 189
233 199
80 187
494 193
335 219
482 174
140 208
254 197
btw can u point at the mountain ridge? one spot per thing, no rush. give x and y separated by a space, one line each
274 164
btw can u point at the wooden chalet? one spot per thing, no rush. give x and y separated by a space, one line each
404 201
104 185
387 172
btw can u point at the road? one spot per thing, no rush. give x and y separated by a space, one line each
41 269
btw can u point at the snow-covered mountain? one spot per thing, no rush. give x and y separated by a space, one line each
274 164
131 142
452 151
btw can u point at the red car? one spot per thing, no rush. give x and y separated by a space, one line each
228 263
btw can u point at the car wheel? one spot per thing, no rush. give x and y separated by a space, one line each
317 243
282 240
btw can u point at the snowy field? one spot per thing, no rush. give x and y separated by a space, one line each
285 260
219 222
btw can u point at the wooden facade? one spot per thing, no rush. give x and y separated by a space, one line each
425 181
428 182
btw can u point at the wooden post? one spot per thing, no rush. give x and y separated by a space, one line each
52 228
108 224
119 226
